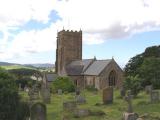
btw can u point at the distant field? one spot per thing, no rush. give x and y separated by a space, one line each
14 67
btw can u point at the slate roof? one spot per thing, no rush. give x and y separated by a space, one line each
87 67
77 67
51 77
97 67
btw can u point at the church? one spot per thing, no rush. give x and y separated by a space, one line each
84 72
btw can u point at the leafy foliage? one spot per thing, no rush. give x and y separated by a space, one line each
63 83
133 84
9 98
25 72
132 67
150 72
23 76
147 66
23 111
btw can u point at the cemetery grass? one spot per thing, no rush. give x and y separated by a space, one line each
114 111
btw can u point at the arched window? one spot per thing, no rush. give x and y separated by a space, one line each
112 78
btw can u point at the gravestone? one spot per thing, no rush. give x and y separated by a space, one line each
59 91
129 115
31 95
38 111
69 106
46 95
81 113
80 99
108 95
148 89
26 89
20 87
154 96
128 98
122 92
78 91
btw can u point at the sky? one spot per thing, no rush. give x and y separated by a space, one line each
111 28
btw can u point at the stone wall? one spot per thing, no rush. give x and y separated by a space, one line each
69 48
102 80
78 81
104 76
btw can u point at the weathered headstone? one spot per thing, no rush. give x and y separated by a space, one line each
20 87
59 91
128 98
108 95
80 99
33 94
46 95
148 88
81 113
154 96
69 105
38 111
78 91
129 115
122 92
26 89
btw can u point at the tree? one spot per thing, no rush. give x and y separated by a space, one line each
133 83
146 66
9 99
63 83
22 72
150 72
23 76
132 67
153 51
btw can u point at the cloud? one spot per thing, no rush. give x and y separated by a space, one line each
34 41
99 20
110 18
18 12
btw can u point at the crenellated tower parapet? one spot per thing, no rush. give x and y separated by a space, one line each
69 48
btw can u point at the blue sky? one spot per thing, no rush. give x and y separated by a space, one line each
28 30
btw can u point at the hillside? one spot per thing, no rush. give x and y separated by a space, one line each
7 65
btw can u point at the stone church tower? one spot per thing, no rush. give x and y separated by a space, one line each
69 48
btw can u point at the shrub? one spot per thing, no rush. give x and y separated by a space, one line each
9 98
23 111
63 83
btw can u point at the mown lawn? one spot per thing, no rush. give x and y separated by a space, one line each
114 111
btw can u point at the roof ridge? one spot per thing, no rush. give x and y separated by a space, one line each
103 60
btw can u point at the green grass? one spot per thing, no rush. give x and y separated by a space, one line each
113 111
